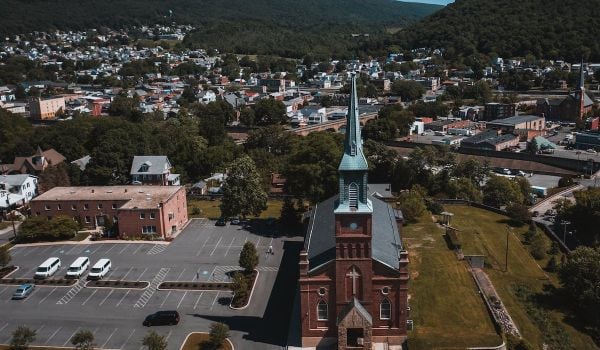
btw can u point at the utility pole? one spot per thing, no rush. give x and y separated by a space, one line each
506 257
565 223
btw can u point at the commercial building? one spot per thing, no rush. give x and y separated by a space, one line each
45 109
496 110
491 140
587 140
136 210
526 126
445 124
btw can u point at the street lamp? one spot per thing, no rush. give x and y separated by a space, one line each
565 223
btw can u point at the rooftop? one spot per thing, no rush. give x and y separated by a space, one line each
136 197
512 121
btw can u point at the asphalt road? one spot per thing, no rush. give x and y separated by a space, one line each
203 251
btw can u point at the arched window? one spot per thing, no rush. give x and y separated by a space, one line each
353 195
322 314
385 310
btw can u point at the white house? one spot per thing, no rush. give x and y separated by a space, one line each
207 96
17 189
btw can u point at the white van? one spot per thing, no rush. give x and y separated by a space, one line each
100 269
48 268
78 267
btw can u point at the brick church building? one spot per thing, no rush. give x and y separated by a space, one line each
353 268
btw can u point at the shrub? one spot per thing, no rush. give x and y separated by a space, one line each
538 247
565 181
435 207
196 211
218 333
518 213
552 265
554 248
248 257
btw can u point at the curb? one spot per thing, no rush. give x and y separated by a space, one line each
115 241
188 335
85 285
249 298
13 271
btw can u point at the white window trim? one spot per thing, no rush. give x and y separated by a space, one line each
381 310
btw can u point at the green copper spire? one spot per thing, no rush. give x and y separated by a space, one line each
353 167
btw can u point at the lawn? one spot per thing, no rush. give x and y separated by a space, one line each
210 209
4 224
445 305
485 232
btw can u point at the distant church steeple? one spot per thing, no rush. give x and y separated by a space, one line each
353 167
581 91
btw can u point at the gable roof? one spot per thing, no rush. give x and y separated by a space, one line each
320 239
156 165
354 304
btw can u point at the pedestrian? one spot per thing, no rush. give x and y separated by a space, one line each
271 249
197 275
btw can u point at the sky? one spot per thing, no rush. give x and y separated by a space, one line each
438 2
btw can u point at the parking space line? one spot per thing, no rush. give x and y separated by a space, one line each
44 250
167 297
181 274
71 336
180 301
52 336
111 248
215 248
168 335
106 297
29 251
230 244
138 248
3 289
29 273
110 336
198 300
125 247
120 301
126 340
128 271
88 298
68 252
2 328
97 249
214 301
203 245
49 294
258 242
111 272
143 272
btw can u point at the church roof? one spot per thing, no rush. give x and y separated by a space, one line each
355 304
320 240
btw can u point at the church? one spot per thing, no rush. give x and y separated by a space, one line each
353 267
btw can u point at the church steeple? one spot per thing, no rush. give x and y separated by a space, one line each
353 166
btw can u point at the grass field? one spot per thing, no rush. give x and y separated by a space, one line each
4 224
210 209
445 305
485 232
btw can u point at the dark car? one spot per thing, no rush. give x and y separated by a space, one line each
162 318
23 291
221 222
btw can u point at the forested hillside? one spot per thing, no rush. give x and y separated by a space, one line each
285 27
553 29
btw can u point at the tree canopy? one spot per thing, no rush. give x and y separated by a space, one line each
243 193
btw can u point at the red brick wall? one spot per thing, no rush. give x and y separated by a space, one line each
39 208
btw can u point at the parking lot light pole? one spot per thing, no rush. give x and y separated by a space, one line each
565 223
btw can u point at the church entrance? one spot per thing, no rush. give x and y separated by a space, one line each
355 338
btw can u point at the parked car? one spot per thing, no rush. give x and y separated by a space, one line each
23 291
592 151
162 318
221 222
235 221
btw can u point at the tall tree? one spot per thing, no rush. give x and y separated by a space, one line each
248 257
218 333
270 111
243 193
500 191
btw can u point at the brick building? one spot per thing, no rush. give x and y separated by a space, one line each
494 110
526 126
445 124
44 109
490 140
353 268
137 210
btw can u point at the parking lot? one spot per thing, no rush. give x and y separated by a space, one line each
202 252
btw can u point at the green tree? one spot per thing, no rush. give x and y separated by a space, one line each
83 340
518 213
580 278
242 190
585 215
248 117
219 332
552 265
154 341
5 256
21 338
248 257
464 188
538 247
500 191
380 130
408 90
290 215
270 111
412 205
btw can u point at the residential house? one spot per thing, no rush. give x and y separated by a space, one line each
24 185
35 164
153 170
